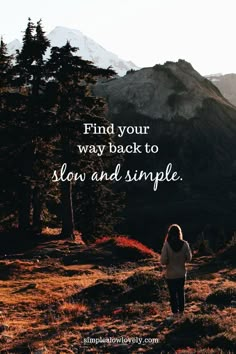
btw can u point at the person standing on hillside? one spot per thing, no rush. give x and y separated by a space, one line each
175 253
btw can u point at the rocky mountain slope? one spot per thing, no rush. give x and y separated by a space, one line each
162 92
195 129
88 49
226 84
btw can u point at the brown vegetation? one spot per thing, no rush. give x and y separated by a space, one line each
49 307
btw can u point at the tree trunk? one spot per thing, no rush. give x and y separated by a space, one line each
25 190
66 192
37 210
67 210
24 207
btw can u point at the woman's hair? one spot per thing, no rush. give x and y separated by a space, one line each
174 233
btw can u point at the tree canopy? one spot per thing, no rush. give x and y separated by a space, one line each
41 119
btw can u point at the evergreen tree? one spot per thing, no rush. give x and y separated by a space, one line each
30 64
29 73
27 55
74 105
9 109
43 121
5 66
42 43
12 136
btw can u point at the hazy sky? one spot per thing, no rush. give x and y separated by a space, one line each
144 31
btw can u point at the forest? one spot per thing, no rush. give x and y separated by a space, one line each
44 107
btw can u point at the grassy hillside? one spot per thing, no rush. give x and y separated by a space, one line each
52 299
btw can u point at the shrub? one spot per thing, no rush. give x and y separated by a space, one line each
204 249
145 287
222 297
228 254
142 278
109 250
193 329
11 270
102 291
225 341
126 248
136 310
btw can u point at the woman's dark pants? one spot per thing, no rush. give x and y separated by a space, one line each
176 290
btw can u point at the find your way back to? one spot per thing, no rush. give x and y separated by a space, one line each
168 174
134 148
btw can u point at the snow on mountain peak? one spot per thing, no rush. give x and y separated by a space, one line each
13 46
88 49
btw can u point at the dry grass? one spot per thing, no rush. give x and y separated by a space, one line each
198 290
42 316
72 310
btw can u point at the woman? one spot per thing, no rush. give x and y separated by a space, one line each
175 253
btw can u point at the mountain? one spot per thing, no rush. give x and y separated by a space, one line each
194 127
226 84
14 46
164 91
88 49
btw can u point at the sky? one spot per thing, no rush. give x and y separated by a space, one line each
146 32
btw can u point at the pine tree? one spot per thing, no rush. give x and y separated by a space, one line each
5 66
9 145
30 64
42 122
29 73
26 55
42 43
74 106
